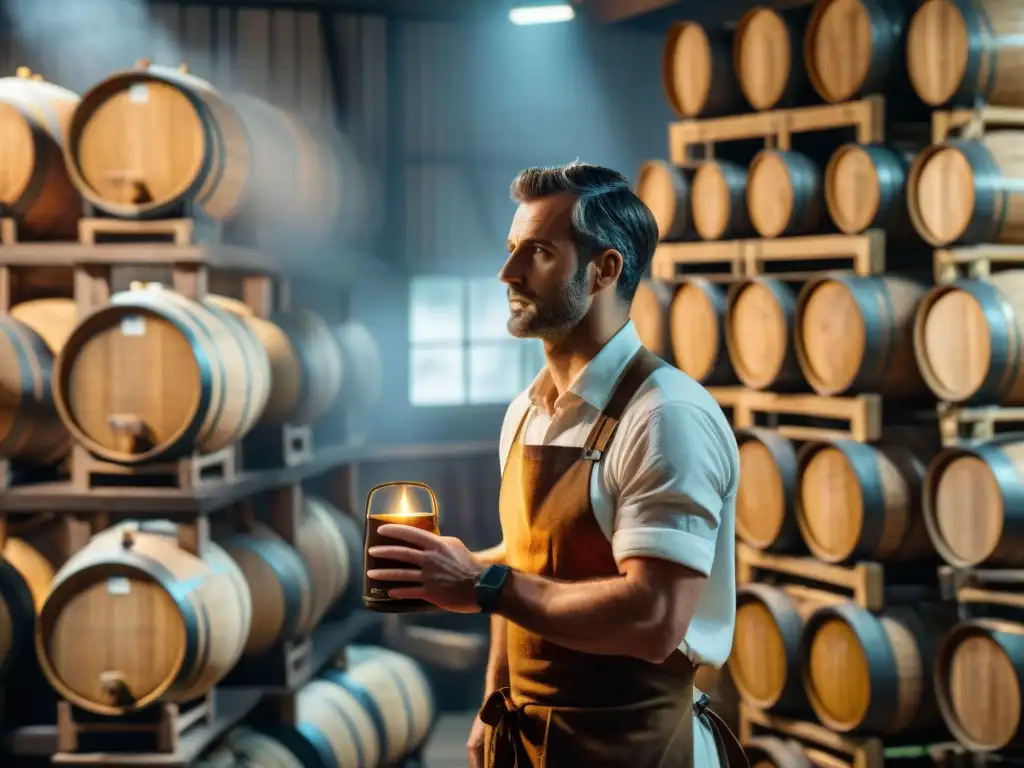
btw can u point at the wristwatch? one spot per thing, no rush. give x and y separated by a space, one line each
489 585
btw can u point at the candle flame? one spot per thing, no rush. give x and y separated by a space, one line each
404 507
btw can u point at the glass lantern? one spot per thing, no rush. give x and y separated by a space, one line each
395 503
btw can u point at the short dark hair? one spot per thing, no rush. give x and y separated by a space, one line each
607 215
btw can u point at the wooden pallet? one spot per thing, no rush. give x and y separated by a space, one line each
956 756
976 261
726 260
188 476
856 417
973 123
974 587
733 403
965 424
820 745
866 116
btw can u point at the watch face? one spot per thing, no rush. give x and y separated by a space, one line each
493 577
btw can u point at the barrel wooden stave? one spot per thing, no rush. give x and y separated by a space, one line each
854 48
965 192
36 189
765 658
697 332
306 362
767 491
25 578
856 335
31 336
258 750
665 189
866 187
278 574
327 542
363 379
988 479
767 57
333 728
759 333
873 674
968 339
784 194
650 314
961 53
175 623
860 501
719 201
979 669
121 355
697 73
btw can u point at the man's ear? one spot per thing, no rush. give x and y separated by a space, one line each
607 266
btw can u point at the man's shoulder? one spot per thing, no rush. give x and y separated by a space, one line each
671 391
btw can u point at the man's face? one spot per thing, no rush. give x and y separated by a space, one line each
548 287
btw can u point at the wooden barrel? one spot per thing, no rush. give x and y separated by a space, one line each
133 619
853 48
31 337
650 314
767 492
856 334
173 375
979 682
968 192
306 362
960 53
865 188
784 194
697 332
718 200
333 728
865 673
252 749
986 479
765 659
363 379
860 501
35 188
968 338
665 189
25 578
766 57
697 72
178 141
771 752
396 687
278 574
759 332
330 544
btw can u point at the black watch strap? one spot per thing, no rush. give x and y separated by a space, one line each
489 586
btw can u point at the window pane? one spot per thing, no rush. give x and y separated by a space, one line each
436 307
533 359
436 376
488 309
495 372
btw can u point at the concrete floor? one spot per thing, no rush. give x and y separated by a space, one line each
447 745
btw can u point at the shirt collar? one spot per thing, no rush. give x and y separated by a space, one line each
594 384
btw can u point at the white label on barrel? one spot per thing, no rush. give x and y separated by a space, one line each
138 94
119 585
133 325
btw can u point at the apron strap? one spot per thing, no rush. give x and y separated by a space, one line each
727 741
643 364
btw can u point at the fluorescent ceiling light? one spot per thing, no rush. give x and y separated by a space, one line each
542 14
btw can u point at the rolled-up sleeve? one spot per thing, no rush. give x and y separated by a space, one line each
671 479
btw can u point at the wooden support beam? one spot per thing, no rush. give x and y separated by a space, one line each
611 11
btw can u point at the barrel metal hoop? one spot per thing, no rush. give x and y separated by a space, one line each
1005 359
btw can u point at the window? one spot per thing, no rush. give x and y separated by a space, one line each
460 351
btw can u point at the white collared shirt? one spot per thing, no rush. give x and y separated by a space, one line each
666 486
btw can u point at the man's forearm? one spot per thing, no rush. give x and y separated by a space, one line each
497 662
606 616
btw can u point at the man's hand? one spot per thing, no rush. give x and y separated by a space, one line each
447 570
475 743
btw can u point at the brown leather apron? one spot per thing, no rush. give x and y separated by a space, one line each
566 709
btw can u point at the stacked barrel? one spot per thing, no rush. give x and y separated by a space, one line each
844 647
145 561
963 198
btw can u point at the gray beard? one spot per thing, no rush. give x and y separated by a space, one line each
553 322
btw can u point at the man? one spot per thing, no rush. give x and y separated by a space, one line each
616 575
